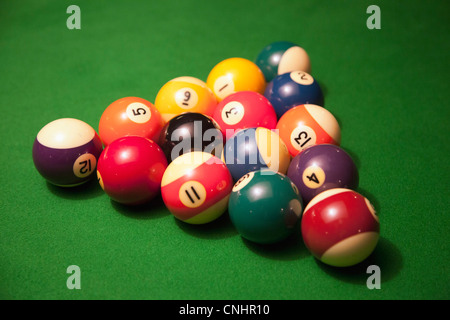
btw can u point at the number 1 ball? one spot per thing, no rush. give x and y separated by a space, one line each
130 116
340 227
130 170
65 152
322 167
264 207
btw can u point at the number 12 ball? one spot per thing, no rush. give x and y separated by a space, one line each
65 152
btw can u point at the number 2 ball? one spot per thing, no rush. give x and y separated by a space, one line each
322 167
292 89
130 116
65 152
130 170
340 227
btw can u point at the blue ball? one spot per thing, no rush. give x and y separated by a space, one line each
292 89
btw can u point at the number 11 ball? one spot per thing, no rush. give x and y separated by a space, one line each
65 152
340 227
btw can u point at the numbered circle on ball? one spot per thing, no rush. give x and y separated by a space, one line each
192 194
84 165
138 112
313 177
224 86
243 181
186 98
302 77
100 180
303 137
233 112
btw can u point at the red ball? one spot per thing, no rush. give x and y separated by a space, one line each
130 170
340 227
242 110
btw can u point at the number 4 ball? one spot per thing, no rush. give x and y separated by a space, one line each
340 227
65 152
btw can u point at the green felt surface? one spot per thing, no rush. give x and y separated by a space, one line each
388 88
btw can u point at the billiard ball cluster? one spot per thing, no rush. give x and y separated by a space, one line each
255 140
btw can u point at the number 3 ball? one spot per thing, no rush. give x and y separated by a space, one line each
322 167
130 170
264 206
292 89
65 152
130 116
340 227
307 125
196 187
184 94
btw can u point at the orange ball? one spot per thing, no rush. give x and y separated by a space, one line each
130 116
307 125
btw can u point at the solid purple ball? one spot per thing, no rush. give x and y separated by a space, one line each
322 167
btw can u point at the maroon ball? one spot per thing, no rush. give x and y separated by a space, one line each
322 167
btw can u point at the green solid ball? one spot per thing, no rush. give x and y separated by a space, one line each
265 206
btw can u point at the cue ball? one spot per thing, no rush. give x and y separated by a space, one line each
233 75
65 152
130 170
322 167
130 116
196 186
282 57
264 208
307 125
184 94
340 227
255 149
244 109
188 132
292 89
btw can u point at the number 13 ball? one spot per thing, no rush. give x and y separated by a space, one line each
65 152
340 227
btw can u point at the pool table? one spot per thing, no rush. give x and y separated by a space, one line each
387 86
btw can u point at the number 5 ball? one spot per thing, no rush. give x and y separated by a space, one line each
130 116
196 187
340 227
65 152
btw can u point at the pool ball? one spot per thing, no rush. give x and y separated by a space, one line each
233 75
130 116
184 94
282 57
130 170
340 227
195 187
255 149
307 125
292 89
264 208
244 109
322 167
188 132
65 152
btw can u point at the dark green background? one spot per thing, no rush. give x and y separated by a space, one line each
388 88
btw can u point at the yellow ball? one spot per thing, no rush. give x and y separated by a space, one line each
185 94
233 75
